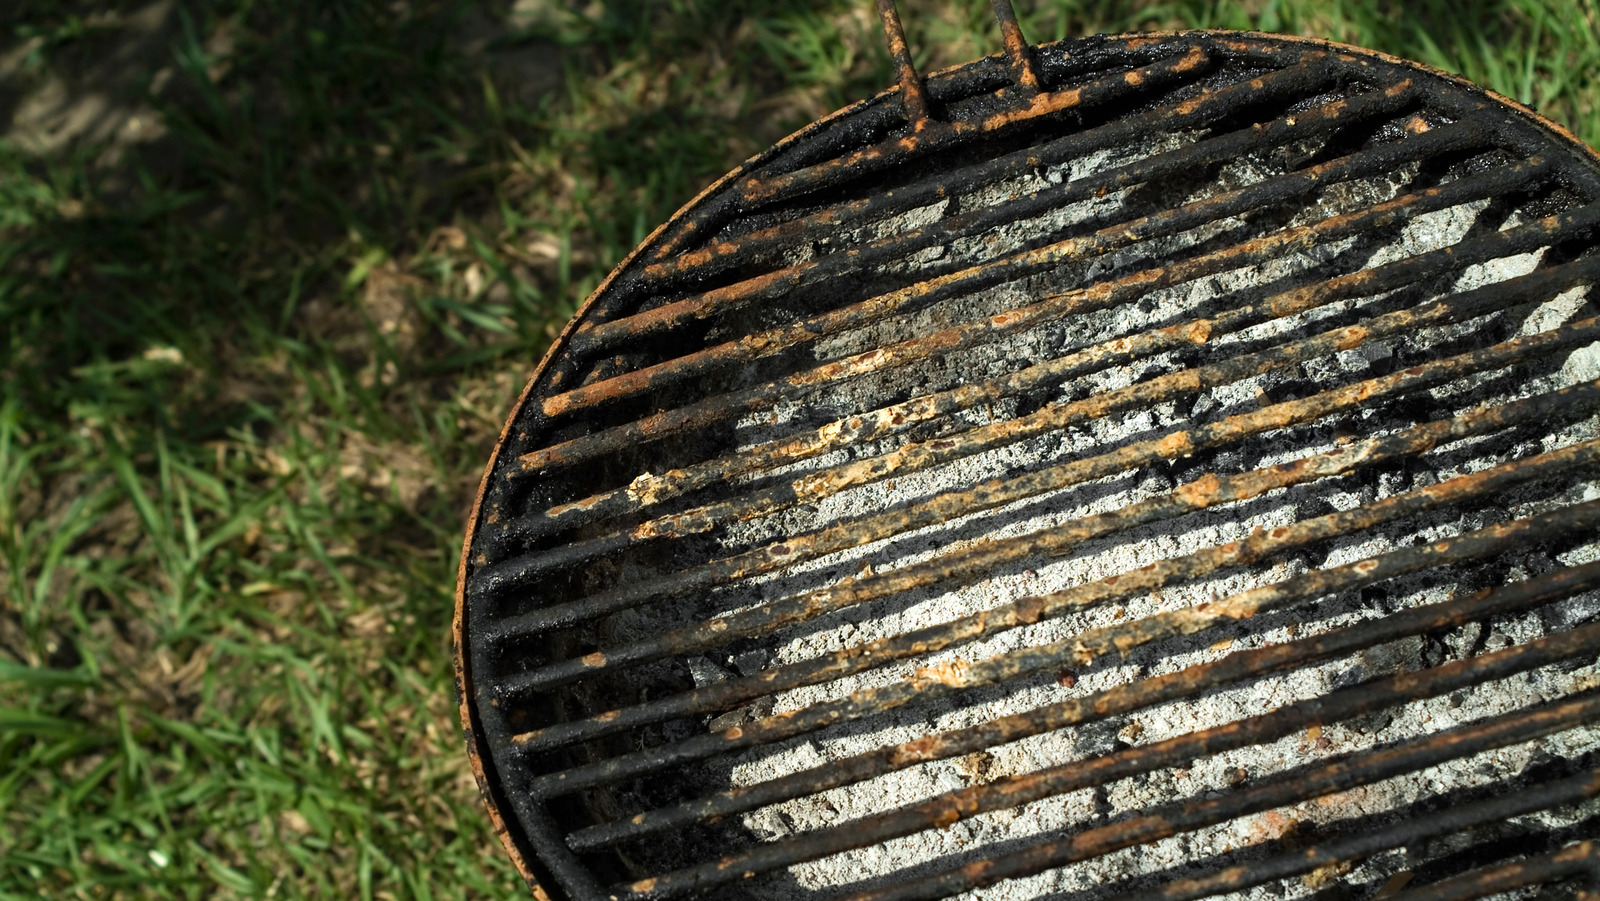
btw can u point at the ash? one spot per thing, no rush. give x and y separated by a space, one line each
1000 831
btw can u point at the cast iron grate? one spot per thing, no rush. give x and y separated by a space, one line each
1153 465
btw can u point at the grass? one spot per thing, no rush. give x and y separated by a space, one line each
255 358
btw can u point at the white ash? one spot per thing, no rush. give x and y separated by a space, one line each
1121 553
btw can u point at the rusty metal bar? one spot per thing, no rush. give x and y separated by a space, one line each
1095 357
709 217
717 255
1228 430
912 92
919 456
1576 859
1272 191
1315 781
1097 296
1237 667
1016 791
1016 45
887 421
956 676
1199 495
943 137
1019 265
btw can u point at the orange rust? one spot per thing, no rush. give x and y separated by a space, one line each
1030 610
595 659
1175 445
952 673
1137 40
1009 317
1198 101
1040 104
1200 492
912 93
564 509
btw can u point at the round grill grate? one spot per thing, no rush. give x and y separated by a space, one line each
1158 465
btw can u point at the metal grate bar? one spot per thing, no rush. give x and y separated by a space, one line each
1224 431
775 284
1576 859
936 137
1216 104
935 682
914 457
912 92
897 418
1012 268
1016 791
1229 429
1236 667
1340 774
1016 45
1096 357
1199 495
1098 296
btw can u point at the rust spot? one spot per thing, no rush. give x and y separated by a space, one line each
952 673
1031 609
1351 337
1177 444
1202 491
925 748
596 659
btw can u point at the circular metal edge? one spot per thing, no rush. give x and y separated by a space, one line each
488 787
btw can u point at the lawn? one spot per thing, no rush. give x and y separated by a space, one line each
272 273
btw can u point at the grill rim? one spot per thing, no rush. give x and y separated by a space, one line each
519 846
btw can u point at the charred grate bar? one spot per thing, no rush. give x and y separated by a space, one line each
1160 466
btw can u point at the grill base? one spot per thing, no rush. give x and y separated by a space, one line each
1160 465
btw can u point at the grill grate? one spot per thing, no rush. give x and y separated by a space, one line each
1159 466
